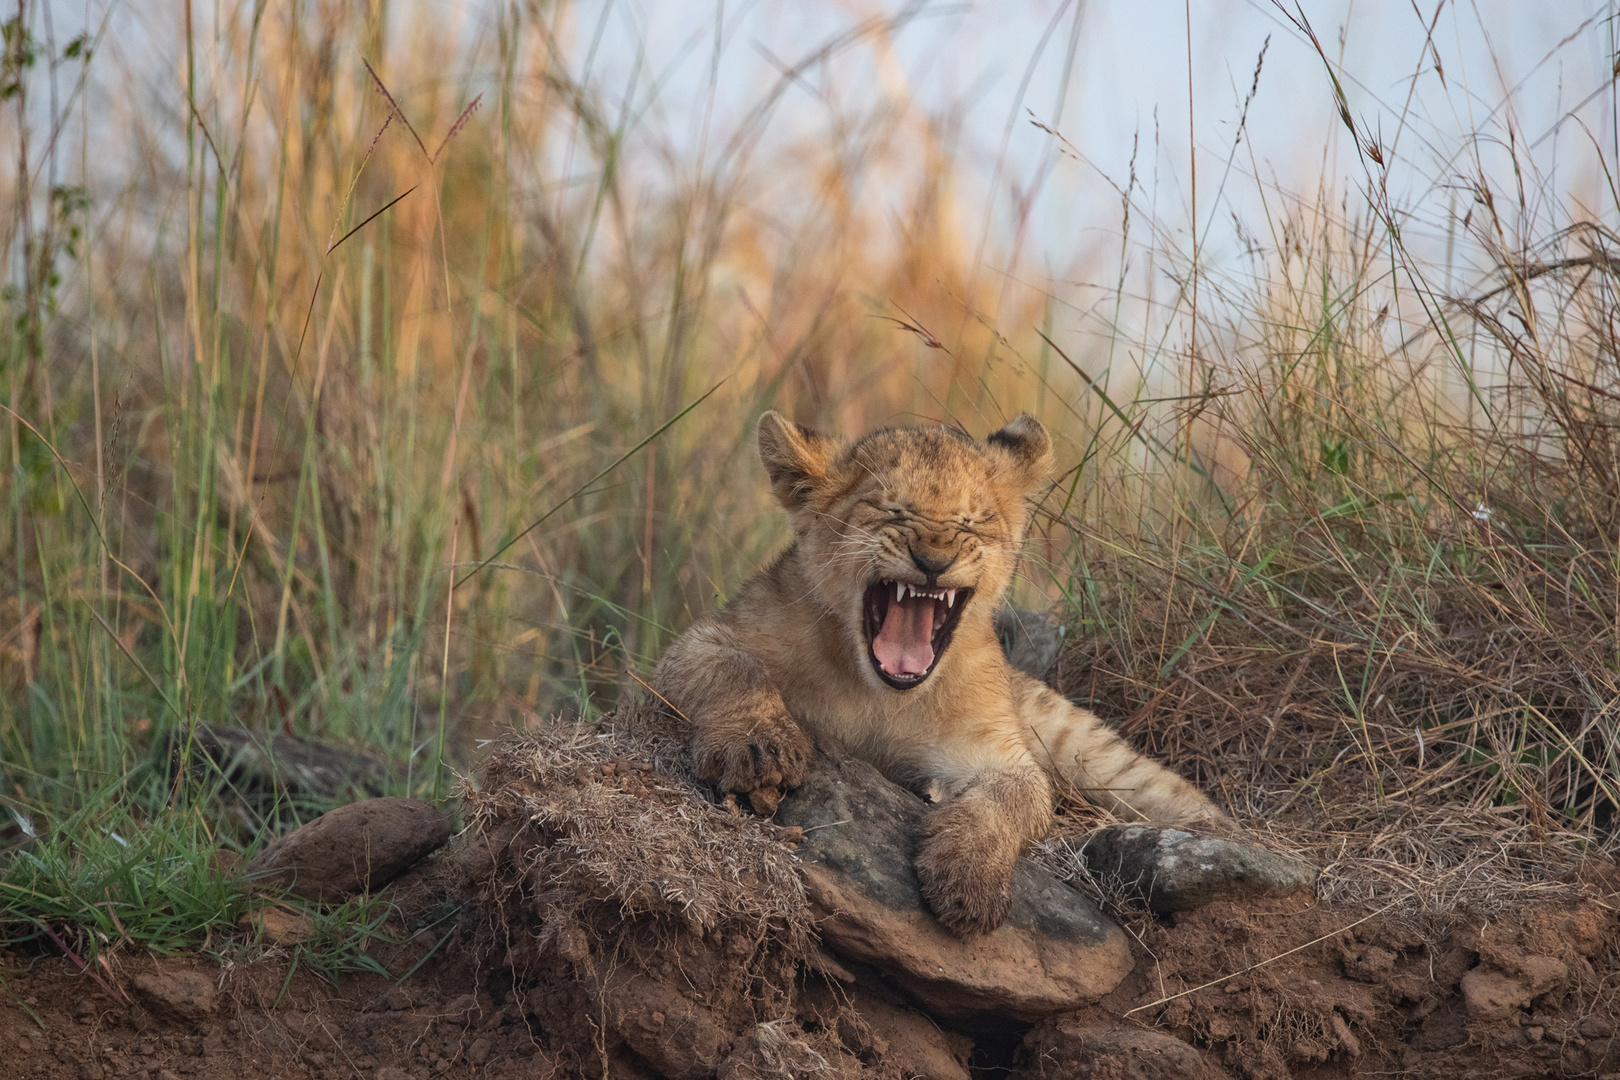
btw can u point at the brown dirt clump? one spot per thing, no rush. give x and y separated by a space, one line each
654 928
1274 991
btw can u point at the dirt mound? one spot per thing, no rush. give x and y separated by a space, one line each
615 889
1362 997
657 931
1274 991
602 916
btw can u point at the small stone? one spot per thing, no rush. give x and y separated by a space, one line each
1347 1038
392 1072
277 926
395 999
1067 1047
679 1036
185 995
1595 1027
1371 965
764 801
1030 639
1543 974
478 1052
1174 870
1491 995
353 849
572 945
462 1010
868 1023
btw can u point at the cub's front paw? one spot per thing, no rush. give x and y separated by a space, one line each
966 875
755 757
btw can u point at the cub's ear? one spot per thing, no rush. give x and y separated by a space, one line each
1026 448
797 459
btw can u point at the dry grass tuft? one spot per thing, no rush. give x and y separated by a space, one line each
598 829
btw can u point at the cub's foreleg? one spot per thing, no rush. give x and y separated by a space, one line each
1080 749
970 844
743 738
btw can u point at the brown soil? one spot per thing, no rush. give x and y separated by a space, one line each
601 919
1372 997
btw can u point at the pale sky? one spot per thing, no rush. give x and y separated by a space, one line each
1502 64
1098 72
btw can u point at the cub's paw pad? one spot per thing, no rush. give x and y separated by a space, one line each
767 755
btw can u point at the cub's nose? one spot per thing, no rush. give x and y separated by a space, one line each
932 563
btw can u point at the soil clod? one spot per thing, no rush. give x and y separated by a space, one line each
181 994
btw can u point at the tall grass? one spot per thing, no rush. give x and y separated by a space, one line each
288 391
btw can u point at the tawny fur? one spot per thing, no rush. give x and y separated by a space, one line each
789 655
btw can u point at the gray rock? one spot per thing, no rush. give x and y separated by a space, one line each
353 849
1173 870
278 764
1030 639
1056 951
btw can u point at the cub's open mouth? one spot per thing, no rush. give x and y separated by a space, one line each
908 628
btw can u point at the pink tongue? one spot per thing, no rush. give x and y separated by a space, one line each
905 644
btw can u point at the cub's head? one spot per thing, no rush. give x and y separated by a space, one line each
907 534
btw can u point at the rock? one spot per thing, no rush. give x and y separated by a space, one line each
868 1024
1173 870
478 1053
276 926
681 1038
1031 640
352 849
915 1042
394 999
1491 995
1543 974
1068 1049
461 1011
1056 951
183 995
277 764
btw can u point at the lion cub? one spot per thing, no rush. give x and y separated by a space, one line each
875 628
